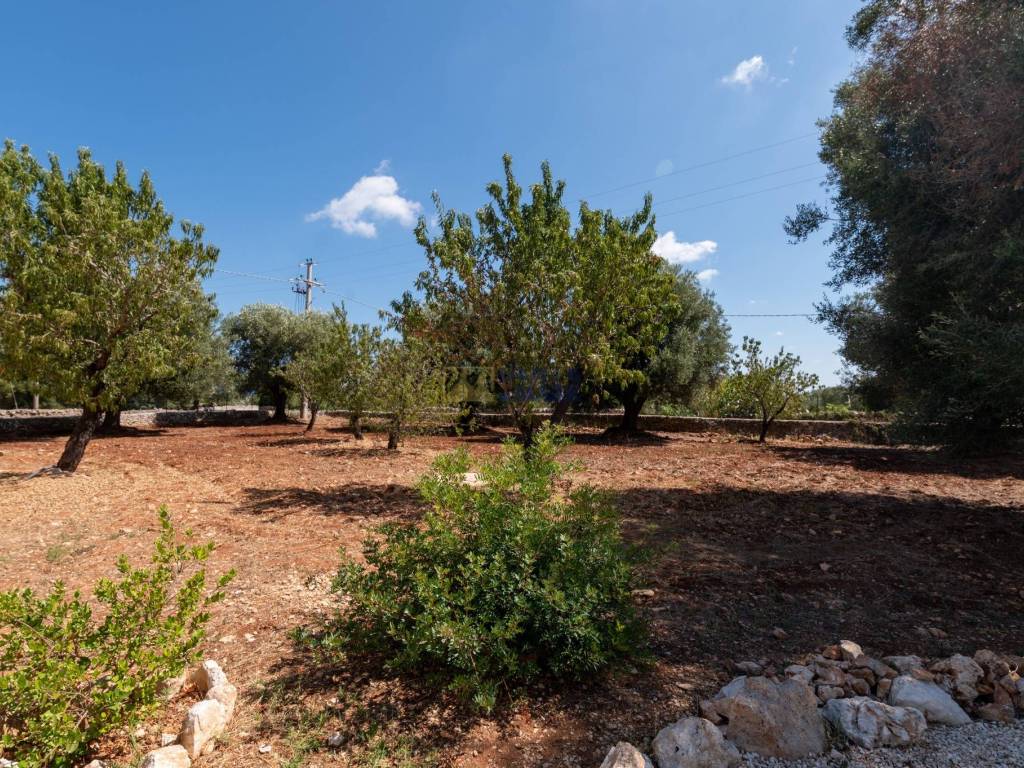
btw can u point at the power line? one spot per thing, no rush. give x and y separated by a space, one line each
735 183
252 275
740 197
704 164
782 314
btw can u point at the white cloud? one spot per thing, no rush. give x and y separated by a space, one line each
372 198
664 167
779 333
705 275
792 57
676 252
747 72
382 167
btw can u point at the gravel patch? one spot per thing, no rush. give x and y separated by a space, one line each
978 745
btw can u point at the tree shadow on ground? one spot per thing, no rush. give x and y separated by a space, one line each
911 461
929 575
356 500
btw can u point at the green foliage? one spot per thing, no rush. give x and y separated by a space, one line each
68 677
535 301
96 295
336 367
264 340
514 578
759 387
925 150
688 361
407 384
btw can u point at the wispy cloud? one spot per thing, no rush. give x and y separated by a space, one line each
371 199
747 72
664 167
706 275
676 252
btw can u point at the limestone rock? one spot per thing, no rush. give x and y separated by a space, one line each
849 650
800 672
203 723
692 742
959 675
878 668
996 713
169 688
173 756
227 695
883 688
770 718
829 692
872 724
934 703
751 668
207 675
904 664
625 755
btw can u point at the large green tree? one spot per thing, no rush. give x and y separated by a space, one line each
264 341
925 150
95 291
541 303
690 358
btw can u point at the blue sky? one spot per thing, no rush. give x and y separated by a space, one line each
253 117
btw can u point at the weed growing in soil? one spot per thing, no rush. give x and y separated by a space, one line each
508 578
67 678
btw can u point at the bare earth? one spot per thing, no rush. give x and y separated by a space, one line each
904 551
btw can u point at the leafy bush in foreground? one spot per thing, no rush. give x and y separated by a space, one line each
506 579
67 678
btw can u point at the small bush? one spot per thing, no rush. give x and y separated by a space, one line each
505 580
67 678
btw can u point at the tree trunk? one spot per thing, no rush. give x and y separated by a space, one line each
357 426
765 424
195 404
314 409
394 433
560 410
35 401
111 421
280 406
74 449
632 403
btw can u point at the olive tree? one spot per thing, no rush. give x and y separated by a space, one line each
690 358
264 340
95 290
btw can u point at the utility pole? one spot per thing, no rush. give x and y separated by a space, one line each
304 286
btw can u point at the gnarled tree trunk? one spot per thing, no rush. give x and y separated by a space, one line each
394 434
74 448
280 406
357 426
111 421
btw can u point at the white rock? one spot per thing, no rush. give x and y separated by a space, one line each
770 718
335 739
173 756
625 755
207 675
800 672
934 703
166 739
227 695
872 724
95 764
693 742
850 650
169 688
904 664
203 723
959 675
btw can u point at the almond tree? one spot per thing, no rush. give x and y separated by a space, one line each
540 303
95 292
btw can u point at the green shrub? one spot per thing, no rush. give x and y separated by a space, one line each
67 677
505 580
